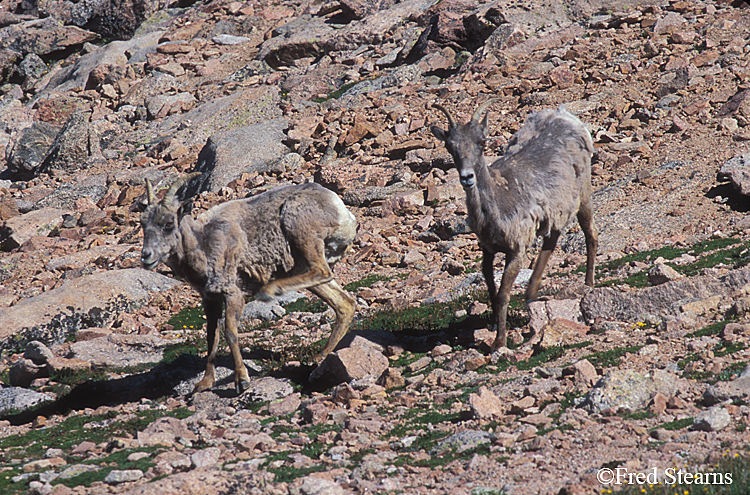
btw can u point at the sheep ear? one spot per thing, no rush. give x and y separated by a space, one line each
439 133
185 208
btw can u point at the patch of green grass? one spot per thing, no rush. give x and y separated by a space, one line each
726 348
729 251
118 459
73 430
368 281
545 356
712 329
436 317
637 415
612 357
188 318
677 424
725 375
287 473
480 490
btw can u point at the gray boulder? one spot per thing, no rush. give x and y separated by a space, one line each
737 171
89 301
65 196
713 419
75 144
268 311
44 37
19 229
739 388
629 390
30 150
31 366
296 39
114 53
350 363
16 399
229 154
664 300
118 350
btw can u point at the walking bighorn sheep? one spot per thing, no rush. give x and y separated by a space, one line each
534 189
280 240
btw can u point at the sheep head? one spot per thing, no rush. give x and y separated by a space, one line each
465 142
160 222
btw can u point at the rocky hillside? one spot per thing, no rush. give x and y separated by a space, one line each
645 372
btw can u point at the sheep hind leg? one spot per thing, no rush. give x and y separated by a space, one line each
500 312
317 273
548 245
213 309
344 305
235 302
586 220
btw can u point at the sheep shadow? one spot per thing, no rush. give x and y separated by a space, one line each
158 382
178 376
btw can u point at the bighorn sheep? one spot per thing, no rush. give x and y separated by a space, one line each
534 189
280 240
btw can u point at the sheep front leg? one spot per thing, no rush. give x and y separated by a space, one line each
213 309
500 313
344 305
235 302
488 270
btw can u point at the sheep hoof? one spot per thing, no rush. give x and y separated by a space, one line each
241 386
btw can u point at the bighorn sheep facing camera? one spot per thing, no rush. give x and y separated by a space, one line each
280 240
534 189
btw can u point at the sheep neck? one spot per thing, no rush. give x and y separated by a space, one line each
183 260
480 199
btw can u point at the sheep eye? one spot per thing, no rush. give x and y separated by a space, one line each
169 226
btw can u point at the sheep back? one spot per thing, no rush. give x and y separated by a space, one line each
254 240
544 172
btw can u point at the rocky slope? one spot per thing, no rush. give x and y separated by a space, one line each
644 372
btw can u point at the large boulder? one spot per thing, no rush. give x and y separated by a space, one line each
17 399
664 300
247 149
737 171
19 229
44 37
89 301
74 146
30 150
119 351
117 53
630 390
110 19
